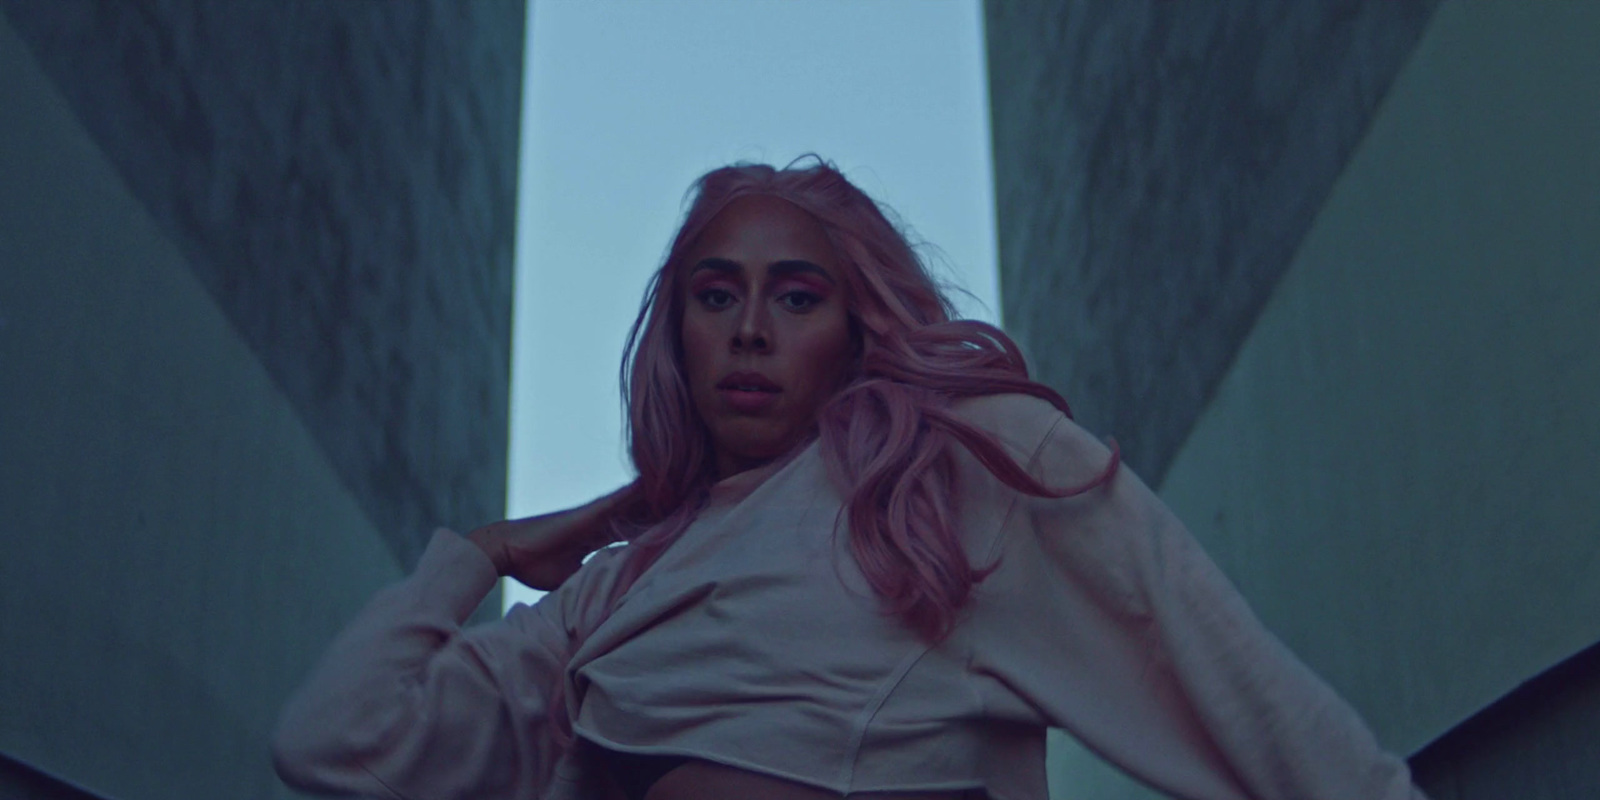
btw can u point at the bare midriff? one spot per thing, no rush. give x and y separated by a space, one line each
708 780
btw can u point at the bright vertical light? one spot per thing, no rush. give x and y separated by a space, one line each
624 104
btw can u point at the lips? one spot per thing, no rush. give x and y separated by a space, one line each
748 380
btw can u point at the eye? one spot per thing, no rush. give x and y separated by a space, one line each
809 299
705 297
721 298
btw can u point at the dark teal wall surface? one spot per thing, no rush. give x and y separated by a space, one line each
1328 271
342 178
1155 166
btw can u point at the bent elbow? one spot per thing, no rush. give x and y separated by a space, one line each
312 752
301 755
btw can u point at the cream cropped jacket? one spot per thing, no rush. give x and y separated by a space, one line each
754 641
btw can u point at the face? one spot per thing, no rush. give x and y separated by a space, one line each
764 294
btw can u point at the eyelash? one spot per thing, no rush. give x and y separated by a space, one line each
812 299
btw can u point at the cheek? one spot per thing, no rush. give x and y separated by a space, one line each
694 339
828 354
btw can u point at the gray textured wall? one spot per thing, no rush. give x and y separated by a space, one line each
1396 462
341 178
1155 166
178 546
255 268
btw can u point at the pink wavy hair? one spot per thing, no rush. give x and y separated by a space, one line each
884 437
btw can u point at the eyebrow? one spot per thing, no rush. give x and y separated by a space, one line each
776 268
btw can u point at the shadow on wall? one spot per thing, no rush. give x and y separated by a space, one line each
20 780
1539 734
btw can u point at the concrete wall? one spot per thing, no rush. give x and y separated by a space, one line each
341 179
1156 165
197 409
1397 464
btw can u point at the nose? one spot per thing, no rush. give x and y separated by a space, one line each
751 331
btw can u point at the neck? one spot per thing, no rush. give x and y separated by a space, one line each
730 465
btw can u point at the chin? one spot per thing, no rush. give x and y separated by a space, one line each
758 445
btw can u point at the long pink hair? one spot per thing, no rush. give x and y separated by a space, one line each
884 437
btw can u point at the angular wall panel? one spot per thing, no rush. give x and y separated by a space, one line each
341 177
1156 165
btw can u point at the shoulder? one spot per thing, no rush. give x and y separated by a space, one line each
579 604
1053 447
1021 421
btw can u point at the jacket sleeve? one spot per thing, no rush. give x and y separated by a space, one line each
405 703
1107 619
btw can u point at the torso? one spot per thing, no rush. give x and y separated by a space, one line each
696 779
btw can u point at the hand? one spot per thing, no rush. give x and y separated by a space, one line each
543 551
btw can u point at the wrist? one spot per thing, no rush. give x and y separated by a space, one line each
490 545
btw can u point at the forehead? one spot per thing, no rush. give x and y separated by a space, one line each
758 229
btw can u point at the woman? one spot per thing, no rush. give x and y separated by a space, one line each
865 556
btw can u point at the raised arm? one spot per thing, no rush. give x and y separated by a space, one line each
1150 657
407 703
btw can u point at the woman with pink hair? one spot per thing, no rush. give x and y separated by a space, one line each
865 555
